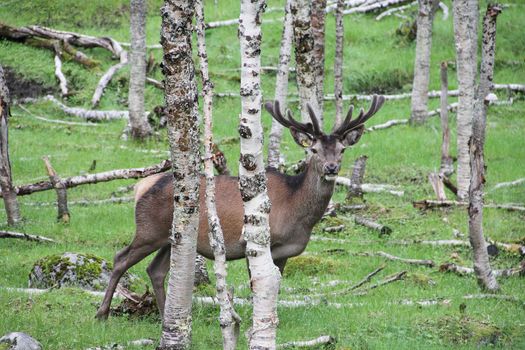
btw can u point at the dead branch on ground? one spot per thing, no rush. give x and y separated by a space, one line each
56 121
428 263
371 188
508 184
437 186
383 230
63 211
433 204
395 10
322 340
19 235
338 228
390 279
463 270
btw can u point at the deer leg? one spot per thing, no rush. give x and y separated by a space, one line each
280 263
157 271
123 261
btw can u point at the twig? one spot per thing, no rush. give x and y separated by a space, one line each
58 73
428 263
395 277
383 230
322 340
431 204
463 270
10 234
338 228
508 184
367 278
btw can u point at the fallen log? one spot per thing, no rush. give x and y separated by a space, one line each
92 115
322 340
74 181
371 188
374 6
85 202
58 73
463 270
508 184
338 228
428 263
19 235
432 204
106 78
347 208
510 247
55 121
132 343
383 230
394 10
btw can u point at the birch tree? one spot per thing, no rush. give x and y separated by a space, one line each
6 182
265 277
281 87
183 135
425 18
466 37
484 273
338 61
229 319
318 18
305 65
138 120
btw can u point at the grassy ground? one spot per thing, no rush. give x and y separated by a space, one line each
376 60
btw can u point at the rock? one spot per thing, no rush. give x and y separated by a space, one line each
19 341
86 271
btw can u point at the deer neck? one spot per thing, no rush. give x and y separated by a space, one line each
313 196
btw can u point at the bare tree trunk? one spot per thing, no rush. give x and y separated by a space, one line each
358 174
338 61
305 64
265 277
60 187
229 320
447 164
318 31
183 134
281 87
466 36
486 278
138 121
425 18
6 183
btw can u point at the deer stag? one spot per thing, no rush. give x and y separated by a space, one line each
298 203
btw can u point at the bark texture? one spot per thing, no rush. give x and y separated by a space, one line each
265 277
138 120
466 37
304 58
425 18
338 61
228 318
482 268
358 174
6 182
183 134
447 164
318 32
61 189
281 87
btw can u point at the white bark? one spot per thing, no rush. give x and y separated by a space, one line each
374 6
60 76
484 273
88 114
61 189
106 78
318 19
425 18
183 135
395 10
338 62
228 318
138 120
447 164
6 182
10 234
265 277
466 37
304 57
281 87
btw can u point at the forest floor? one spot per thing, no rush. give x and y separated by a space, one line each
427 309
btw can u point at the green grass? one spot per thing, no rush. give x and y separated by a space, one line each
375 60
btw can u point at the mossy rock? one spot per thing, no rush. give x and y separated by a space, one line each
86 271
311 265
19 341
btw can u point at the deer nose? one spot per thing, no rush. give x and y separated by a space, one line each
331 168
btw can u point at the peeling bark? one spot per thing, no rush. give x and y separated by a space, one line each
425 18
183 134
6 181
338 62
138 120
63 211
304 57
228 318
466 38
281 87
265 276
484 273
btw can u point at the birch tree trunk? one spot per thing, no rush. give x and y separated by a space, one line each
338 61
183 134
318 31
466 37
265 277
138 120
6 182
425 18
305 65
482 268
281 87
447 164
228 318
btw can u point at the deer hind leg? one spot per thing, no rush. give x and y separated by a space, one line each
157 271
123 261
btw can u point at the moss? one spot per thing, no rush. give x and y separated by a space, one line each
421 279
311 266
4 346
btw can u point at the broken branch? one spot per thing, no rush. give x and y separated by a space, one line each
10 234
383 230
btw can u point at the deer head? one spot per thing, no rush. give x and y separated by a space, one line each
326 150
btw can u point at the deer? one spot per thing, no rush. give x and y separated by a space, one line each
298 203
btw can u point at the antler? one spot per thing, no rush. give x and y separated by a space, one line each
348 124
309 128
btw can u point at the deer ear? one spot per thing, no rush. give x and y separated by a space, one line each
352 137
302 139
